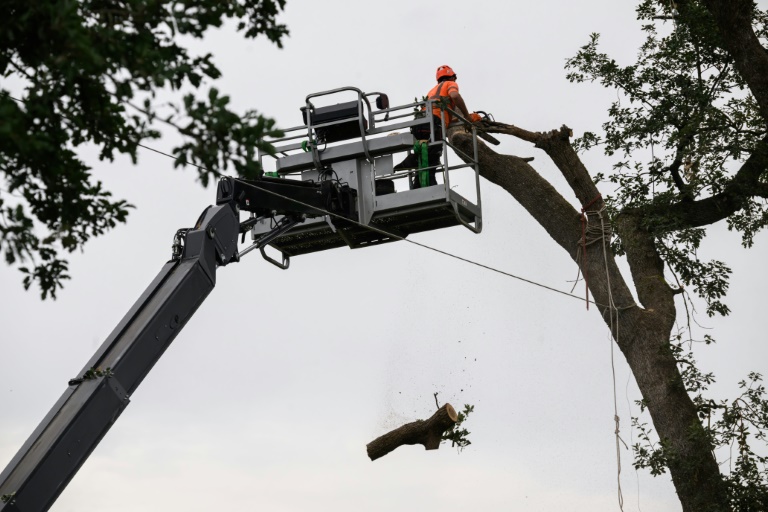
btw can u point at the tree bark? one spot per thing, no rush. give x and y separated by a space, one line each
734 22
642 333
427 432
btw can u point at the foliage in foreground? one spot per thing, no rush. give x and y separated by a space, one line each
88 73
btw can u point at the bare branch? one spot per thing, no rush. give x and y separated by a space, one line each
549 208
557 145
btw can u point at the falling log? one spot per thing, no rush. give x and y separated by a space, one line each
427 432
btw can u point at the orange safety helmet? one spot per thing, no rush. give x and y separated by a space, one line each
444 71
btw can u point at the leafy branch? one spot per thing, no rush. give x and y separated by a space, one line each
81 65
458 435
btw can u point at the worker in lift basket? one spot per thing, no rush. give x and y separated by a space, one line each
447 90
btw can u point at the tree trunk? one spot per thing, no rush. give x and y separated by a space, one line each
427 432
642 333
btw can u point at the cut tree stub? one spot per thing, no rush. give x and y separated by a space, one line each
427 432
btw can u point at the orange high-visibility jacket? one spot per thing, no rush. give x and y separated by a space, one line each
443 89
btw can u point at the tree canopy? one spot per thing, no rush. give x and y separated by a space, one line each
90 72
680 129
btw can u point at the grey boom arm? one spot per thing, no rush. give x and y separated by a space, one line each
65 438
92 403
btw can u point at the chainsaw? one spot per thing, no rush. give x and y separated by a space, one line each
480 117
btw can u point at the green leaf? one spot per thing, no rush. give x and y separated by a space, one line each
84 62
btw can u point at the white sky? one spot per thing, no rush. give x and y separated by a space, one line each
268 397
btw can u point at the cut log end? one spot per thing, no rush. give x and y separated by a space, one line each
452 414
427 432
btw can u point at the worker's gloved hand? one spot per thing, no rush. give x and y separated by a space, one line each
475 117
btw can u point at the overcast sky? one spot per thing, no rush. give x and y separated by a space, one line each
268 397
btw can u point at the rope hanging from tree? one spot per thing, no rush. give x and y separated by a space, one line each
613 312
589 235
593 232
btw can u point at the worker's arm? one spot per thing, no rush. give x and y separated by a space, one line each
459 102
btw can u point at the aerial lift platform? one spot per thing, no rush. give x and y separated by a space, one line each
354 143
333 186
